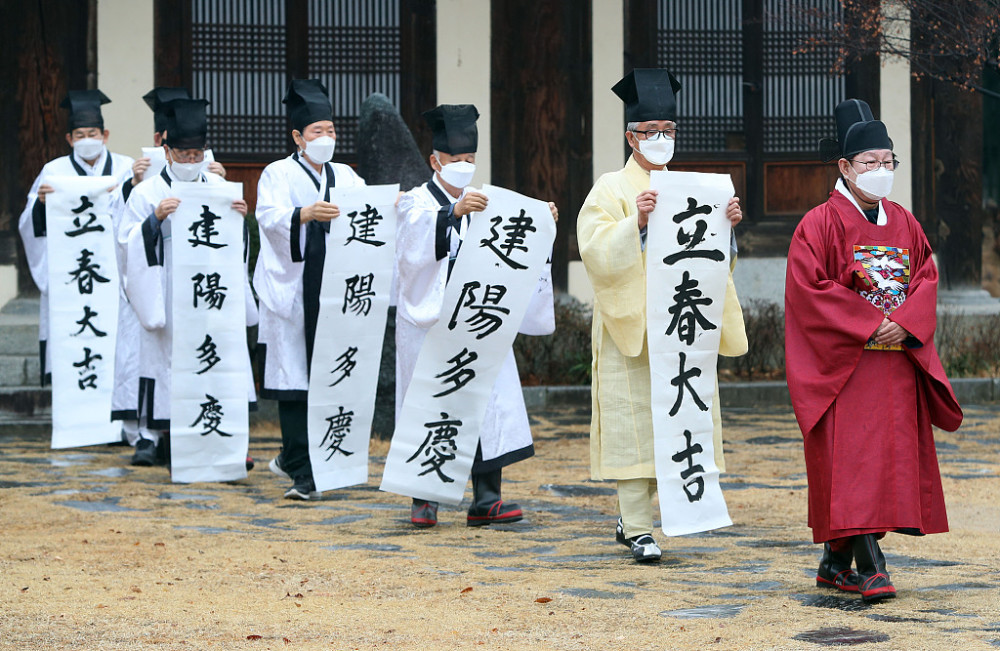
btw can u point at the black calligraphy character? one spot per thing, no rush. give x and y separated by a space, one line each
486 318
85 204
363 226
85 323
203 230
86 274
439 446
358 294
681 381
210 417
85 365
212 291
516 232
691 240
206 354
346 365
687 454
339 428
458 375
686 314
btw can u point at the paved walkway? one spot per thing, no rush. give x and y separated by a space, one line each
96 554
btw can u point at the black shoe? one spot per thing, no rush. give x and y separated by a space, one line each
423 514
250 463
487 507
644 549
275 467
835 570
163 451
873 578
304 489
620 534
145 453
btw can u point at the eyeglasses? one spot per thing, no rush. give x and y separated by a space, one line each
654 134
873 165
188 155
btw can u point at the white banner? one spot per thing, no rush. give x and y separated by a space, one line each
209 419
347 351
494 278
687 267
83 309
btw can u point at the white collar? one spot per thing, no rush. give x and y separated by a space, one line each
97 167
841 187
437 182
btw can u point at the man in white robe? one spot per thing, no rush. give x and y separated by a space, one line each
433 220
293 215
611 231
90 157
143 231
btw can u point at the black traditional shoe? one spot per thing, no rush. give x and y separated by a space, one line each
145 453
620 534
304 489
487 507
835 570
163 451
873 579
250 463
644 549
424 514
275 467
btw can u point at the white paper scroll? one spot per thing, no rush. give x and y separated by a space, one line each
83 308
687 266
496 275
209 419
347 352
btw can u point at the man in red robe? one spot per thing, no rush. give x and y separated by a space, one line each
864 376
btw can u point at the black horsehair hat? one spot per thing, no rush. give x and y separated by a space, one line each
84 108
155 100
454 128
187 124
857 131
649 94
308 101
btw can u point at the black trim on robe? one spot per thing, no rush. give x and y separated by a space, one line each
152 240
480 467
38 218
124 414
312 272
445 218
274 394
127 189
293 238
147 387
44 379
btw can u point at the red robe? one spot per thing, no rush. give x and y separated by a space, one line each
866 415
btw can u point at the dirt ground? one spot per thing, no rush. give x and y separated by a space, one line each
95 554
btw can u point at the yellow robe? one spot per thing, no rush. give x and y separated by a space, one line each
621 429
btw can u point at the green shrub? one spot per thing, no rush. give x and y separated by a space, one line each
765 359
562 357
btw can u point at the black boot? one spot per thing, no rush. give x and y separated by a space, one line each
873 579
487 507
423 514
835 568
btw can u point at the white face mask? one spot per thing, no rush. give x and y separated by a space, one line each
659 151
320 150
458 174
187 171
877 183
88 148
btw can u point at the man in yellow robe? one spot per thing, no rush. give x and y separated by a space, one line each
611 231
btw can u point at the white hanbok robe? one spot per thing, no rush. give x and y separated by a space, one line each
285 187
31 225
428 237
148 265
125 398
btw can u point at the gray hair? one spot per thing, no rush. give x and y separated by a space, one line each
631 126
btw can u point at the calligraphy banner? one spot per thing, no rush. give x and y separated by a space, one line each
347 352
209 413
687 268
83 309
494 278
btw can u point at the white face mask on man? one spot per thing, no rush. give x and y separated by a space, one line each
320 150
659 151
88 148
458 174
188 171
877 183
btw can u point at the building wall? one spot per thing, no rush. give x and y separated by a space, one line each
895 101
125 71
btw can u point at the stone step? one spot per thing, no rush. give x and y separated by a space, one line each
19 328
26 402
18 370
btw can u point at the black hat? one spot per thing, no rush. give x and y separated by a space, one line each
649 94
308 101
156 98
187 126
857 131
454 128
85 108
